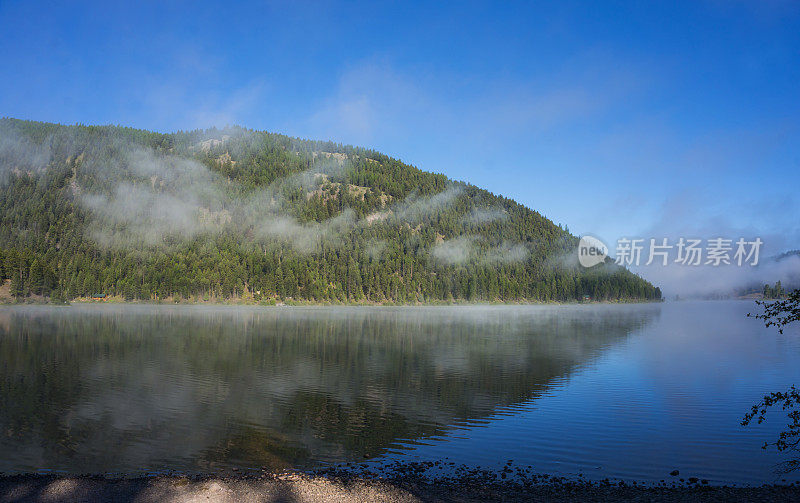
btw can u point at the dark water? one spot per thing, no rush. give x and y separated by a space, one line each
607 391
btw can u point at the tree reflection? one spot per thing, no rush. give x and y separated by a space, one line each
146 388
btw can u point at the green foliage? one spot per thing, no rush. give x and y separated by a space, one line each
49 242
789 439
774 292
779 314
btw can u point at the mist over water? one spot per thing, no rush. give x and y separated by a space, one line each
137 388
632 389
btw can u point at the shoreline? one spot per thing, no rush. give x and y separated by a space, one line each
248 303
329 485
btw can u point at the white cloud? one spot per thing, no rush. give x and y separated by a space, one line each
453 251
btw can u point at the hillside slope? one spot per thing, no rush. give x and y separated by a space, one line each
238 213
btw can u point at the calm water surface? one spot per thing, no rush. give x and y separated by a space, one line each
628 392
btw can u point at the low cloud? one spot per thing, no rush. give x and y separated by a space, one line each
480 216
453 251
506 253
462 249
415 208
375 249
20 153
172 199
136 214
305 237
724 280
699 215
175 198
140 198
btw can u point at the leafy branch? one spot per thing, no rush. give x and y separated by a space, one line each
789 439
779 314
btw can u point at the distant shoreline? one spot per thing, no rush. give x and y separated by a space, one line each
296 303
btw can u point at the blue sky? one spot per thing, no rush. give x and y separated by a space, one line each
616 118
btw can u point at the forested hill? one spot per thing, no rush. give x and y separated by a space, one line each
235 213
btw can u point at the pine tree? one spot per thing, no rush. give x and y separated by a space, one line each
36 278
17 284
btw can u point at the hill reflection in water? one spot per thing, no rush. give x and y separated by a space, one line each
142 388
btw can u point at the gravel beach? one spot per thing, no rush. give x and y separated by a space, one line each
301 487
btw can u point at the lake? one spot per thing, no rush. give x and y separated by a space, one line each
620 391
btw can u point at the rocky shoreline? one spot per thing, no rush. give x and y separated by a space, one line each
346 486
